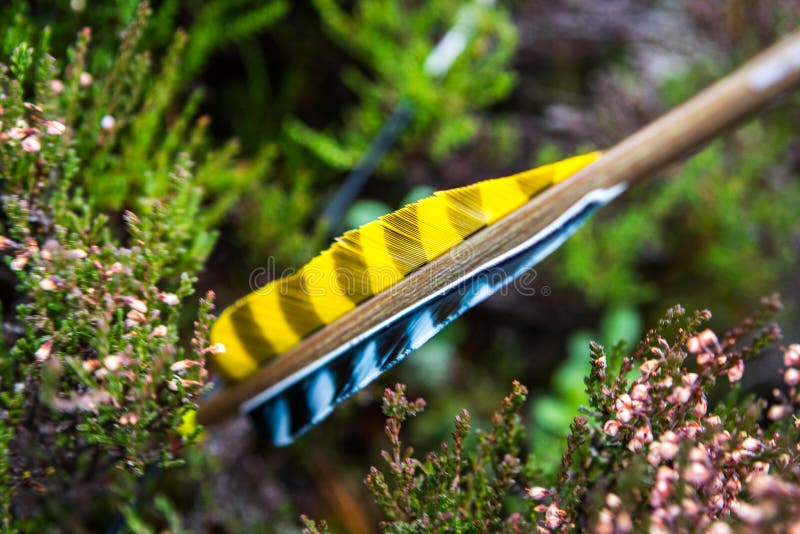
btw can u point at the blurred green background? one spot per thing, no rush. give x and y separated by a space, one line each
302 87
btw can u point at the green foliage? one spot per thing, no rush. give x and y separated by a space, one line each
646 453
96 385
391 41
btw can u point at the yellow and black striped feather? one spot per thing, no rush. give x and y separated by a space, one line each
366 261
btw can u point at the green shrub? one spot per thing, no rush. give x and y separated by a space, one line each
96 385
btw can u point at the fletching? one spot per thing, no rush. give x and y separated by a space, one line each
368 261
365 262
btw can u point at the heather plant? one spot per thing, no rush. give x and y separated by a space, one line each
648 452
95 384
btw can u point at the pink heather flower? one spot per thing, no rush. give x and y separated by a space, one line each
649 366
90 365
764 486
635 445
698 454
611 427
696 474
791 376
115 268
639 392
170 299
43 352
613 501
659 494
752 515
624 522
673 511
701 407
182 365
708 338
133 318
791 358
129 419
689 379
665 383
702 341
113 362
719 527
159 331
31 144
721 438
19 130
644 434
669 445
538 493
85 79
714 420
752 444
733 485
31 245
778 411
554 516
736 371
33 107
18 263
689 507
691 429
48 284
57 86
135 304
758 468
654 454
624 408
705 358
680 395
55 128
693 345
657 522
605 522
716 485
108 122
717 502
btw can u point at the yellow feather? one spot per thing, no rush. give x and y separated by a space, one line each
367 261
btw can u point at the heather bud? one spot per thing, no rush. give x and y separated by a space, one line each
791 376
611 427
